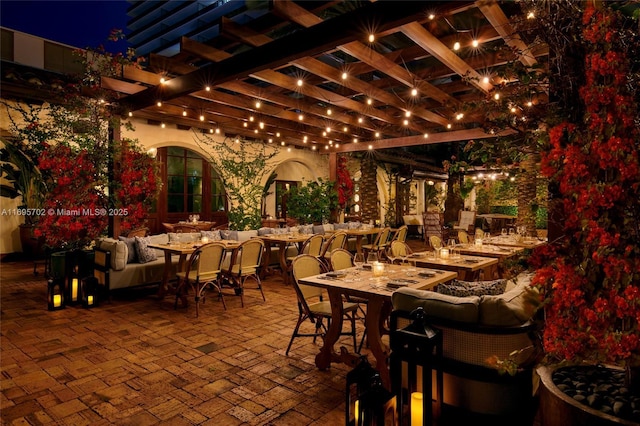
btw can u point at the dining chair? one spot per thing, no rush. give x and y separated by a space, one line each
312 245
435 242
138 232
313 303
379 245
463 237
203 270
343 259
167 226
336 240
401 234
245 263
479 233
398 250
178 227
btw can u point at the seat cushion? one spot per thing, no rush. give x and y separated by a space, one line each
119 252
514 307
131 248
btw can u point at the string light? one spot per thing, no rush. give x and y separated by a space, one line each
184 112
159 103
344 75
299 83
456 46
369 101
475 43
372 38
258 104
163 125
208 89
414 92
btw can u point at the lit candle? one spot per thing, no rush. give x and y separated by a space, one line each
444 253
89 300
416 409
478 241
74 289
357 411
57 300
378 269
205 240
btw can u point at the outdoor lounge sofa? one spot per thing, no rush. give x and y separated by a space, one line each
476 329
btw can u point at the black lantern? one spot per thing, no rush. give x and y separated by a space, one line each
368 402
358 380
55 294
377 406
415 345
89 292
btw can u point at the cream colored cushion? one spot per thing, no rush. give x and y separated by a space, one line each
462 309
119 252
514 307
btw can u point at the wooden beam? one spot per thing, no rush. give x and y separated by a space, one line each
500 22
164 64
202 50
390 68
306 42
242 33
454 136
120 86
326 71
294 13
431 44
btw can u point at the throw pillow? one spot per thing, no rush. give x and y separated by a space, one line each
145 254
212 235
469 288
131 245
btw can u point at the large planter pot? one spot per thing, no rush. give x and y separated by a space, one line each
559 409
32 246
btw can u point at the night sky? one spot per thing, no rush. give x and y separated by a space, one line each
76 23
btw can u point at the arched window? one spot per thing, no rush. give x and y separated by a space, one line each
191 186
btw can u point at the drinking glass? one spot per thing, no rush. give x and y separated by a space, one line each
358 260
372 257
503 232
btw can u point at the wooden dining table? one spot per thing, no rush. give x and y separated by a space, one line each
467 267
359 233
358 282
514 241
282 241
183 250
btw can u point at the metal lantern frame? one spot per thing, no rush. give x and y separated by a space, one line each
358 380
415 345
56 298
377 405
89 292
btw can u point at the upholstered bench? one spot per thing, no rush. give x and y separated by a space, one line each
477 329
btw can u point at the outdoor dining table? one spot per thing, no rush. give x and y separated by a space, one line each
182 250
357 282
465 266
514 241
359 233
282 240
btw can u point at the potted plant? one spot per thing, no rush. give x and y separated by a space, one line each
312 202
589 277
